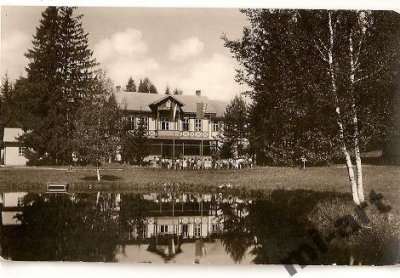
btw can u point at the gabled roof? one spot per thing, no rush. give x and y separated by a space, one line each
11 134
155 103
133 101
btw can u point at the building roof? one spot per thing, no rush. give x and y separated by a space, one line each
134 101
11 134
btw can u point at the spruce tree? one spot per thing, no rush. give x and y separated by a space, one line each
7 117
145 86
59 76
130 86
167 91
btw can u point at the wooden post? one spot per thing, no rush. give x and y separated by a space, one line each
158 121
173 148
161 150
183 149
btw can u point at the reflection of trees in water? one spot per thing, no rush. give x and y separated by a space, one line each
61 227
274 226
133 213
86 227
237 237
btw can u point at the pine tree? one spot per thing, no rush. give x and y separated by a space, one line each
59 76
130 86
167 91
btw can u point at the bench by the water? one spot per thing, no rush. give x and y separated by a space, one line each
59 187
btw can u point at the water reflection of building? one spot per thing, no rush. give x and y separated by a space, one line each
172 222
13 203
167 223
185 215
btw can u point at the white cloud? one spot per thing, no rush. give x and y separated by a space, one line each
128 43
185 49
125 54
13 49
214 76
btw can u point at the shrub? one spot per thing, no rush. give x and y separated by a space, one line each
375 241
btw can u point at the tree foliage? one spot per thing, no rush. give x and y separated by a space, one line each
167 90
146 86
178 91
98 124
59 76
7 106
135 145
130 86
60 228
293 112
235 128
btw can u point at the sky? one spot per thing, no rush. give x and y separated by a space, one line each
175 47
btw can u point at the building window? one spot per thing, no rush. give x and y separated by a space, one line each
131 122
197 125
164 123
145 123
215 126
164 229
20 202
21 151
185 124
185 230
197 230
215 228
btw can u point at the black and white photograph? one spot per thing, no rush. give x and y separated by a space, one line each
200 136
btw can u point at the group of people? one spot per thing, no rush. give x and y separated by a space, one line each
198 163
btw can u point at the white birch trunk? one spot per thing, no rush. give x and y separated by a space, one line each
98 172
360 184
346 154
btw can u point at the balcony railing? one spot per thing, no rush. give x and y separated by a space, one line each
195 134
177 134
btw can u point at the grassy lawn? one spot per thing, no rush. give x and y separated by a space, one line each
383 179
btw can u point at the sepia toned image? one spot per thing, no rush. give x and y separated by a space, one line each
200 136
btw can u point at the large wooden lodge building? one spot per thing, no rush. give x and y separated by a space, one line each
176 125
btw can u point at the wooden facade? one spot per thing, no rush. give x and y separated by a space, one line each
176 125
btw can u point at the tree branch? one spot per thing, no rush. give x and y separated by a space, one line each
369 75
323 56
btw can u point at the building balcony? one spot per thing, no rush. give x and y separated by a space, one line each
177 134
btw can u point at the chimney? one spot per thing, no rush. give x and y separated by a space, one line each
118 88
198 93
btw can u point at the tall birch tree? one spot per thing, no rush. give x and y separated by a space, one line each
321 84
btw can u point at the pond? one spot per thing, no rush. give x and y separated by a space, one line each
178 227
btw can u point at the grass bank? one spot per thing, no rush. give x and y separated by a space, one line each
383 179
